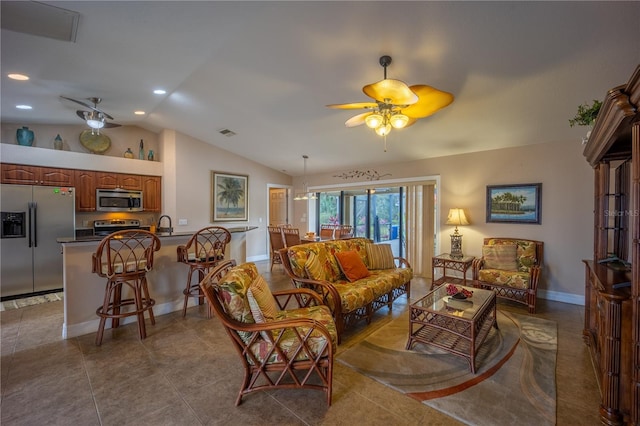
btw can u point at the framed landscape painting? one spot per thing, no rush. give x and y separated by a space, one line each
229 196
514 203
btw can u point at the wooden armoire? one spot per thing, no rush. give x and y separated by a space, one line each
612 288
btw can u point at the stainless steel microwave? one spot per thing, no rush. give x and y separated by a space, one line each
118 200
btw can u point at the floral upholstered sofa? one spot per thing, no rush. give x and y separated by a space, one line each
354 276
511 267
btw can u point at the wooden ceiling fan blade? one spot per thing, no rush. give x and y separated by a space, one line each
391 91
430 101
411 122
109 125
357 120
354 105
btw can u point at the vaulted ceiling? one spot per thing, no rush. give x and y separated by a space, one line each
266 70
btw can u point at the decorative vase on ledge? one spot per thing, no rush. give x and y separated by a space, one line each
25 136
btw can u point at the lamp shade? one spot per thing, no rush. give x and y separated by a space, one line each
457 217
398 121
373 120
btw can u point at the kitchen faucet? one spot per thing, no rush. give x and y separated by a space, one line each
169 229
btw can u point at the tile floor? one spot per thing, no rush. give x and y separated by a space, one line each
186 373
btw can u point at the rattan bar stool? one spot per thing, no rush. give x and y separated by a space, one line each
204 250
124 258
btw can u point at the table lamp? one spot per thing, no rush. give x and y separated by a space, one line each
456 217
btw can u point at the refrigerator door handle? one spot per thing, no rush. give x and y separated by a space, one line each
35 224
30 223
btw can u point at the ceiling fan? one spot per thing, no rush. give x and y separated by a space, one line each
396 104
95 118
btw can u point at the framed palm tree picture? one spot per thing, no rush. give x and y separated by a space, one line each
229 196
514 203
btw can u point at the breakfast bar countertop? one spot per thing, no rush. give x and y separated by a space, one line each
89 238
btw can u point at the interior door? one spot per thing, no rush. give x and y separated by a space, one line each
278 206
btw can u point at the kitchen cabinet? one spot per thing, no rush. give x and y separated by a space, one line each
85 183
33 175
118 181
152 190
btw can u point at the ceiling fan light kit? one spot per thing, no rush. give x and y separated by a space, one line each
95 118
396 105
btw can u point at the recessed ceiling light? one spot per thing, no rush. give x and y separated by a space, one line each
20 77
139 112
159 92
24 107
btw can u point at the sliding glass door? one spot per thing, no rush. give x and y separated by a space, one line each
377 214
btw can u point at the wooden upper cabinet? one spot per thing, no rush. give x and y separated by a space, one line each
118 180
85 183
152 189
34 175
56 177
19 174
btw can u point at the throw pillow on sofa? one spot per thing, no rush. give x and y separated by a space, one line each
500 256
261 301
313 268
352 265
380 256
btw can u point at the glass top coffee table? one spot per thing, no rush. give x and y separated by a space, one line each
458 326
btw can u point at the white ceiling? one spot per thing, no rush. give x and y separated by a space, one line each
266 70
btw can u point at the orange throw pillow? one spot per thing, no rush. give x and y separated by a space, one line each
352 265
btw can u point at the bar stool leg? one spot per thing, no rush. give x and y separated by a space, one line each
149 302
101 311
187 292
140 307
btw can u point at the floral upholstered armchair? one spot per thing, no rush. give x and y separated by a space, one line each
511 267
285 339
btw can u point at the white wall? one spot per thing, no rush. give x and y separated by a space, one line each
567 203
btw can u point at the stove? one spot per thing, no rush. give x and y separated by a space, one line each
102 228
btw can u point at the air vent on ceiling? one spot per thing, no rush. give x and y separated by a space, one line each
226 132
39 19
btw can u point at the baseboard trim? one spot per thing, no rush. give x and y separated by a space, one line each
557 296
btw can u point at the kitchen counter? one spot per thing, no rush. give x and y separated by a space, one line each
161 235
84 290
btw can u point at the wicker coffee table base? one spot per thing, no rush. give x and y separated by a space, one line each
457 335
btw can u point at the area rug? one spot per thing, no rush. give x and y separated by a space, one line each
515 371
29 301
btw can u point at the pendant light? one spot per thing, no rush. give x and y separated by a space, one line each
305 194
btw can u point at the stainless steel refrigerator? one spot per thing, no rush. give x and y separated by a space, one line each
32 218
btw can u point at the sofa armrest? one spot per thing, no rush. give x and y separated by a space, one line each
402 262
535 276
476 265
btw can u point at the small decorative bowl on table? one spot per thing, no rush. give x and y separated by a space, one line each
458 293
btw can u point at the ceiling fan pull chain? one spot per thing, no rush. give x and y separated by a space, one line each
385 143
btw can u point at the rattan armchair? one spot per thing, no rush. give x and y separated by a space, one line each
293 351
